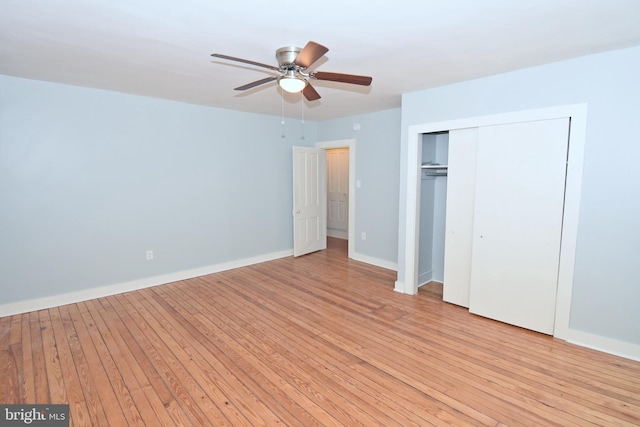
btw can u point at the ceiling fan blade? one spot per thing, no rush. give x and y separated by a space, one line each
343 78
246 61
310 93
256 83
310 54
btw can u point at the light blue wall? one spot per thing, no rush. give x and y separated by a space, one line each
606 291
90 180
377 169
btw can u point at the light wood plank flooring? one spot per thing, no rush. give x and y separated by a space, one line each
313 341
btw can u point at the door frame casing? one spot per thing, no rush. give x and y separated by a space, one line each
351 145
575 160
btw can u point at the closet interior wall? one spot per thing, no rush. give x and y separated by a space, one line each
433 200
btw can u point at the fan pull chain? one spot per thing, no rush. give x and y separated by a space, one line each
282 106
302 116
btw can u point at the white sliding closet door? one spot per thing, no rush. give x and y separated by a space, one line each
520 182
461 184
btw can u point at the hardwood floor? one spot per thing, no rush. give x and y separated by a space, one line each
318 340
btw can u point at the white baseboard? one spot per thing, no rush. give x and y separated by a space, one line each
88 294
340 234
375 261
596 342
425 278
606 345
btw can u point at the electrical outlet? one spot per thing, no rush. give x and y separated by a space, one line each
149 255
363 236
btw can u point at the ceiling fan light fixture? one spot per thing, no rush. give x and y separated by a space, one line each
292 83
292 70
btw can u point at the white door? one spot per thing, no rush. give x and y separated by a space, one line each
520 184
458 243
309 206
338 192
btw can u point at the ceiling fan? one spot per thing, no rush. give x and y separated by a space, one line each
293 63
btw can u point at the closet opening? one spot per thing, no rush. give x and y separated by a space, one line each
415 264
433 199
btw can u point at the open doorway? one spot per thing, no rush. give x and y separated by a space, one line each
338 193
341 231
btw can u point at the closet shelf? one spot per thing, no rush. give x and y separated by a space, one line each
434 166
432 169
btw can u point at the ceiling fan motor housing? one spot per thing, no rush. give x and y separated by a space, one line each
286 56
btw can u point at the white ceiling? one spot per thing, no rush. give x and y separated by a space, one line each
161 48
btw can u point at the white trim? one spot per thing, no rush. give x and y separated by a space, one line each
607 345
376 261
425 278
88 294
573 189
399 286
577 139
351 145
412 214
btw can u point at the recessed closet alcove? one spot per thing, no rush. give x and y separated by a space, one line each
433 199
492 208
